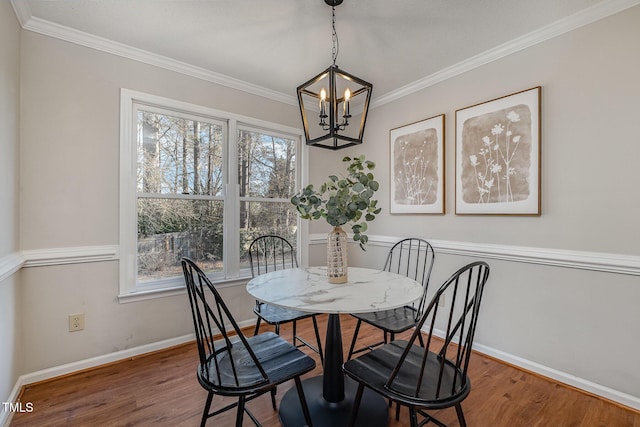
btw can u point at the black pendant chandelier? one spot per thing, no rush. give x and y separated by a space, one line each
334 104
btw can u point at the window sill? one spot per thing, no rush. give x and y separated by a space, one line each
148 294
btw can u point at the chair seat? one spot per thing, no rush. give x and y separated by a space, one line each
395 320
280 360
375 367
273 314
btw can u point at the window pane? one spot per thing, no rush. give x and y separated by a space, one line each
259 218
266 165
169 229
178 156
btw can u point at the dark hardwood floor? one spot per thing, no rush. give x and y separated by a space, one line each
161 389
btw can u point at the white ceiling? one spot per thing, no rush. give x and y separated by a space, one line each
275 45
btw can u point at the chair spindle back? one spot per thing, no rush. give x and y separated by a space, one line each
412 257
452 314
221 344
270 253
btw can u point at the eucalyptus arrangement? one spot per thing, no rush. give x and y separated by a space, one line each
339 201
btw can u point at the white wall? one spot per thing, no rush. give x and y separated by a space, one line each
560 321
10 347
69 198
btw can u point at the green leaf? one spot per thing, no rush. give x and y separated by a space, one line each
342 200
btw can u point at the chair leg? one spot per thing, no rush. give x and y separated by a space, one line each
240 413
354 339
273 398
356 405
413 415
303 403
295 328
461 419
255 332
315 327
207 406
397 411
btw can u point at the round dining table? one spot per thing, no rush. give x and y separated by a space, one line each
330 396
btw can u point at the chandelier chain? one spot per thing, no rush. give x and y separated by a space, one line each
336 44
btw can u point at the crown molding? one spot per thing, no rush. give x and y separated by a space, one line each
577 20
570 23
22 11
102 44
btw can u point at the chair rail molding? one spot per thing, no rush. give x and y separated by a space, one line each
584 260
71 255
9 264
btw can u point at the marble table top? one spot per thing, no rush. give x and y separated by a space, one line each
307 289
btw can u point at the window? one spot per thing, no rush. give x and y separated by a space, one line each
266 166
199 183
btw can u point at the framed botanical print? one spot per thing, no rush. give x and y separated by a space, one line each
417 167
498 156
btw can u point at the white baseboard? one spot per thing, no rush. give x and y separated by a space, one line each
68 368
562 377
559 376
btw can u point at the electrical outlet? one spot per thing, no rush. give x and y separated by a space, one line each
76 322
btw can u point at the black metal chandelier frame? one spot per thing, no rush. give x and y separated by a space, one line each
331 123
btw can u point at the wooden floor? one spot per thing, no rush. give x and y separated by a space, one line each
161 389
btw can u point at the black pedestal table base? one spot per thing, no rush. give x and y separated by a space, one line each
373 411
330 396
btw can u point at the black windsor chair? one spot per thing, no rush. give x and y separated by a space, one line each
270 253
412 257
232 364
433 376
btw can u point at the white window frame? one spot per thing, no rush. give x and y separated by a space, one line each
129 289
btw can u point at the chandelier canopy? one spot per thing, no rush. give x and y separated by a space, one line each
334 104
